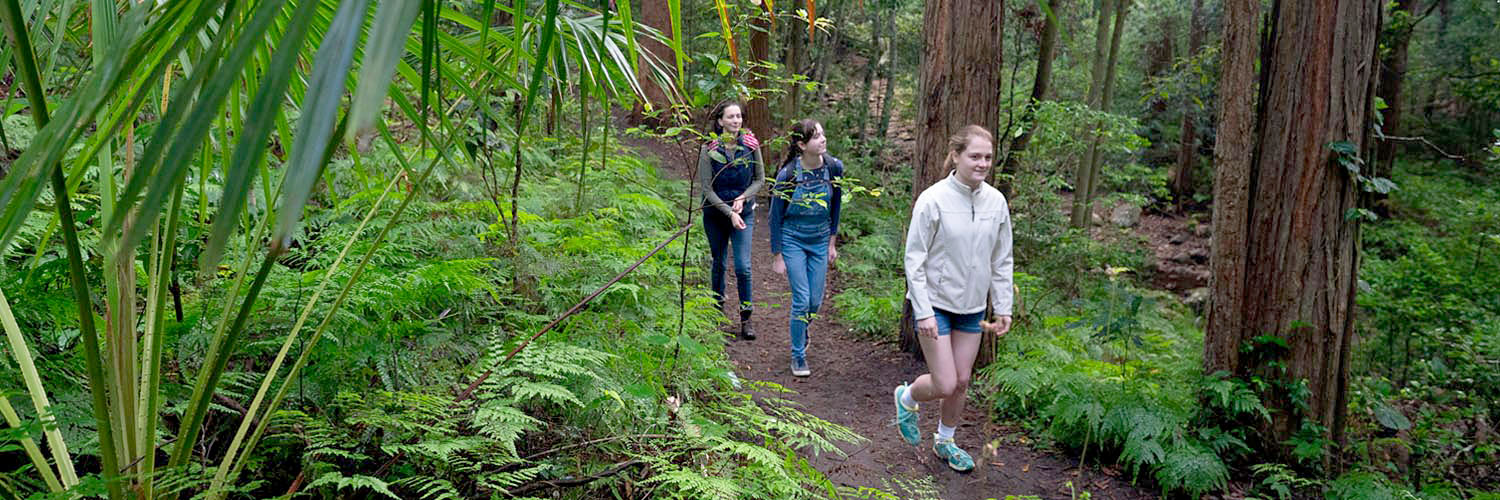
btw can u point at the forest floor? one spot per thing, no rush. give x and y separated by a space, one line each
851 384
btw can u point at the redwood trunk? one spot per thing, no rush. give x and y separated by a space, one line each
757 109
1284 254
653 13
960 82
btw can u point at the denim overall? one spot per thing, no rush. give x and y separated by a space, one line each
805 231
730 180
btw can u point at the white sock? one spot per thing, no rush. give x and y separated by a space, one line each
907 401
944 432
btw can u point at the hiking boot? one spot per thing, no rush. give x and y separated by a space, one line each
957 459
906 418
747 332
799 367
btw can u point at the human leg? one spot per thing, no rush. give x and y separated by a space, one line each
716 228
795 256
742 239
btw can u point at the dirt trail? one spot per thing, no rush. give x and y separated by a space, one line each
851 386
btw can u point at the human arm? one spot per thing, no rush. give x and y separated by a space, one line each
1002 268
919 238
778 210
706 183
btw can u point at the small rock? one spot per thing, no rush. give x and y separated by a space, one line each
1178 239
1125 215
1199 255
1203 230
1197 298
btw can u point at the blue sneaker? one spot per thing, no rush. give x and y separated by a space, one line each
906 418
957 459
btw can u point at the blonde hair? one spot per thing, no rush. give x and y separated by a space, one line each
960 141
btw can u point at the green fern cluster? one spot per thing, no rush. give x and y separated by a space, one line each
1135 399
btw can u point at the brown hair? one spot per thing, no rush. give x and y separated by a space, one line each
801 132
958 142
718 112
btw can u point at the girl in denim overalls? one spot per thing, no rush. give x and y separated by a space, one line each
804 227
730 172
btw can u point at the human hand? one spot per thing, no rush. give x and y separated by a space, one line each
738 205
736 221
833 252
778 265
997 327
927 327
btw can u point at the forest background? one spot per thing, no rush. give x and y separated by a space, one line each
431 249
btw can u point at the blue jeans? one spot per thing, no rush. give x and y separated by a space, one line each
804 250
721 233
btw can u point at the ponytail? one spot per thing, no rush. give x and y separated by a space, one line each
801 132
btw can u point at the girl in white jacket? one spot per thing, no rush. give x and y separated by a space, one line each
958 251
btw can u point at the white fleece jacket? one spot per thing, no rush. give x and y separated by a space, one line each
958 249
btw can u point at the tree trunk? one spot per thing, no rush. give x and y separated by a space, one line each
1187 150
653 13
1080 215
1392 75
1046 50
961 66
757 107
1280 204
796 45
831 45
871 59
889 74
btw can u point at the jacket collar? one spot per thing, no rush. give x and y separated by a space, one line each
960 188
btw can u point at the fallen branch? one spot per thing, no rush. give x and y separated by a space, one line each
1424 141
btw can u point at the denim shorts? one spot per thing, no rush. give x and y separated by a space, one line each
949 321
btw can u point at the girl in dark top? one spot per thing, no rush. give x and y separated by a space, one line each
804 227
730 172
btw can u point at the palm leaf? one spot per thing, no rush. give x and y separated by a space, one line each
319 112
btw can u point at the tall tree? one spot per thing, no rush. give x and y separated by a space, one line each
1397 36
1046 51
757 106
1284 253
1099 96
960 86
653 13
1187 150
796 45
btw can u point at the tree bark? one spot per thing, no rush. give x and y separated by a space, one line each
653 13
757 107
1046 50
1187 149
1281 202
961 69
796 44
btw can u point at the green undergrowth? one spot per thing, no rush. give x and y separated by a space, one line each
1426 380
630 397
